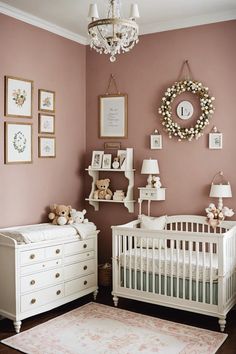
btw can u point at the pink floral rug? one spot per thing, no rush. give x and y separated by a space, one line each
101 329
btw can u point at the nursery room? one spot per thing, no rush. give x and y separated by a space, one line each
118 226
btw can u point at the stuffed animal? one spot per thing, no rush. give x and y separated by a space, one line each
156 182
60 214
78 216
103 191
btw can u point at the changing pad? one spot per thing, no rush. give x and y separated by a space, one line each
44 232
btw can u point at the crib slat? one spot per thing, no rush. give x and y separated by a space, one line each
141 265
153 267
130 255
165 277
159 268
211 273
177 266
124 246
119 253
204 272
135 263
147 263
190 269
183 262
197 271
171 267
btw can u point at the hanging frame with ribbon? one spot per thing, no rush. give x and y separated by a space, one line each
113 120
186 84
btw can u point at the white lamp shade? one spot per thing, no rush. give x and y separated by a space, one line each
150 167
93 11
134 12
220 191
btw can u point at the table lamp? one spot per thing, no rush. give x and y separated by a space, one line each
150 167
220 190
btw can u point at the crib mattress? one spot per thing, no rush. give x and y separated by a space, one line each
182 266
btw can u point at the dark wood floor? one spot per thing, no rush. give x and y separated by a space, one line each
104 297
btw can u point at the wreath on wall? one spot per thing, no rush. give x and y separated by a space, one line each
207 109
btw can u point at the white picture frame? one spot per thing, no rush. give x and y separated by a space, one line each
215 141
106 161
46 123
113 116
18 97
46 101
156 141
122 154
47 147
18 143
97 159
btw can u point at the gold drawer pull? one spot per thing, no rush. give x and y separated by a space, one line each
33 301
32 256
85 267
58 251
32 282
85 282
57 275
85 245
58 292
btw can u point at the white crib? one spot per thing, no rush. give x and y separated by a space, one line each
188 265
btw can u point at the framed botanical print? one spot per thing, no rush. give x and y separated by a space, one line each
113 116
106 161
18 143
18 97
46 101
215 140
156 141
97 158
46 124
47 146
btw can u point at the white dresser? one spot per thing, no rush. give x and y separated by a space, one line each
37 277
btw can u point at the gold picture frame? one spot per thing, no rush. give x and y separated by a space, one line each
18 97
18 143
46 147
46 100
46 123
113 116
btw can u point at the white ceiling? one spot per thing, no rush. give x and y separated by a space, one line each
69 17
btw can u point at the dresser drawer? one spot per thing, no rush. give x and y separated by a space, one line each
54 251
40 280
80 246
152 193
74 286
28 257
33 268
79 269
79 257
42 297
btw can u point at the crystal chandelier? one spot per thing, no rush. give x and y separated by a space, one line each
113 35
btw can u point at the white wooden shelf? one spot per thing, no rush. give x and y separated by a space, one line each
129 201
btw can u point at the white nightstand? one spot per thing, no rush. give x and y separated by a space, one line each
150 194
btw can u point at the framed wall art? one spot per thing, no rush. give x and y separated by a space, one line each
97 159
18 143
156 141
215 140
47 146
113 116
46 101
106 161
46 124
18 97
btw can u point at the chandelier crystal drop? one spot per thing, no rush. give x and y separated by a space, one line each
113 35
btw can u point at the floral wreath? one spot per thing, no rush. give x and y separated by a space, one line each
174 129
19 142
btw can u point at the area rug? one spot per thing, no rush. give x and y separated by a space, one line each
101 329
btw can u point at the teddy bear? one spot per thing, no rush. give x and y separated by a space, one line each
156 182
103 191
78 216
60 214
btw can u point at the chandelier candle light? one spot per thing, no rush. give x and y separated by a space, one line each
113 35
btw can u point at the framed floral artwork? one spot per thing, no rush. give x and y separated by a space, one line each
18 97
47 146
18 143
215 140
97 158
106 161
156 141
46 124
46 101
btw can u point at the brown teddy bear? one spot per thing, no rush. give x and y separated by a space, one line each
103 192
60 214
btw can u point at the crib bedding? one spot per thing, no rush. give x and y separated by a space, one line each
143 259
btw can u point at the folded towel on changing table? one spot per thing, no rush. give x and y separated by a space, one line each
45 232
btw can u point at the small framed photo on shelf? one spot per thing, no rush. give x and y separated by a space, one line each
215 140
18 97
156 141
106 161
18 143
113 116
46 124
47 146
46 101
97 159
122 154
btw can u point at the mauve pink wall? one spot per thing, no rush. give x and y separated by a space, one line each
186 168
58 64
